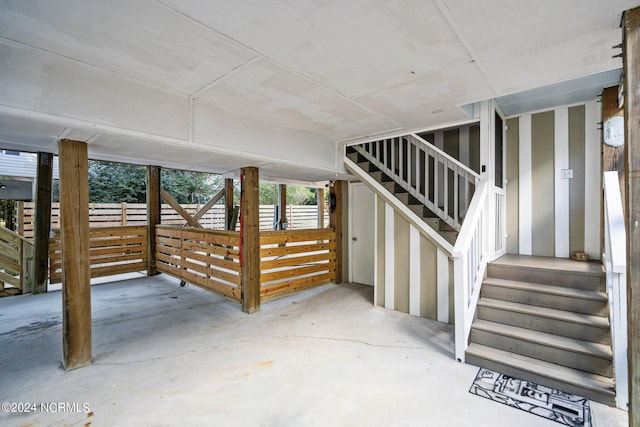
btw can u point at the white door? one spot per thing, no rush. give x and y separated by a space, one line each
361 211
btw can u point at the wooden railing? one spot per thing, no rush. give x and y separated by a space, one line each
295 260
206 258
120 214
469 265
112 250
437 180
16 260
615 263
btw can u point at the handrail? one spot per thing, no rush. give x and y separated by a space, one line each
445 154
615 263
469 265
439 181
468 227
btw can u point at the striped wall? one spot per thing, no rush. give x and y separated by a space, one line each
462 143
412 274
548 215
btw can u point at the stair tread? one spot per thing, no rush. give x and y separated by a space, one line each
549 370
547 289
556 341
560 265
552 313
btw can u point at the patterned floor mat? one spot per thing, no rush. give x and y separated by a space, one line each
563 408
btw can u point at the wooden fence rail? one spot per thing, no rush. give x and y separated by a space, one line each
112 250
16 260
295 260
206 258
121 214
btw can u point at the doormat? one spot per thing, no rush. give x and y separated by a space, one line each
563 408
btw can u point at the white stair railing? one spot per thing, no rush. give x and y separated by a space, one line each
469 265
437 180
615 263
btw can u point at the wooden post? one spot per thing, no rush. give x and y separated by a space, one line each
631 70
282 206
9 215
335 222
42 226
320 203
228 203
250 239
74 228
612 157
123 212
153 215
20 218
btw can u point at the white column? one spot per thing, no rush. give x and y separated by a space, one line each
525 187
414 271
592 176
389 257
561 186
443 286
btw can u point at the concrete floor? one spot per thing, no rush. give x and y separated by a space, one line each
171 356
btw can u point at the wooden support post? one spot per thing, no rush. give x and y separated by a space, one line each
631 71
154 210
282 206
228 203
20 218
250 239
612 157
42 226
320 202
74 228
335 222
9 215
123 213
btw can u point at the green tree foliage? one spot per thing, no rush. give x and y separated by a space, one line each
191 187
120 182
296 195
111 182
116 182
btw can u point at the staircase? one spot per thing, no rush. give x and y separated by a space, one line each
432 184
546 320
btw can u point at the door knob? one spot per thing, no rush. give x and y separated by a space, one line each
354 239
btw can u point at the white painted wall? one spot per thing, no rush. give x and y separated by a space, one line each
39 86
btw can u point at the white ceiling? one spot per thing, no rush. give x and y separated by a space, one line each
196 83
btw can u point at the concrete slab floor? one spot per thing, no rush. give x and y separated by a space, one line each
171 356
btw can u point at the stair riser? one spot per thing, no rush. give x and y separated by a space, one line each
390 186
597 308
555 278
544 324
403 197
368 167
558 384
559 356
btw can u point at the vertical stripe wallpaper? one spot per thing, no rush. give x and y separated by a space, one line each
548 215
412 275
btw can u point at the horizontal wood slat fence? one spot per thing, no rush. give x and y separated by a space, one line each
206 258
295 260
16 260
121 214
112 250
